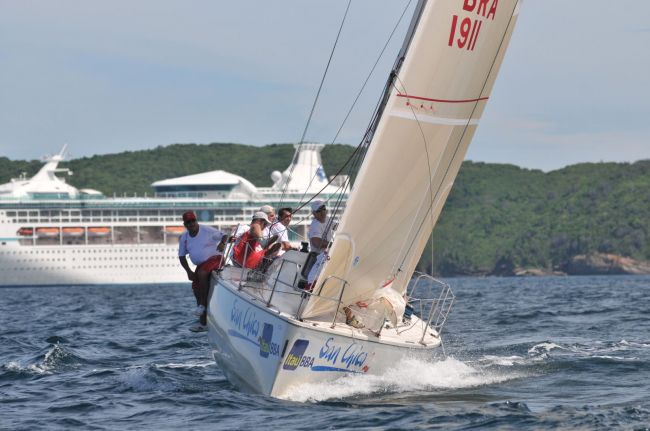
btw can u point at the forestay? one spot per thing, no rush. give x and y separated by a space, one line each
432 112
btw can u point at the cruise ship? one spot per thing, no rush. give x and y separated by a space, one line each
52 233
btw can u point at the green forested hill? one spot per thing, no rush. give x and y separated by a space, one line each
498 217
133 171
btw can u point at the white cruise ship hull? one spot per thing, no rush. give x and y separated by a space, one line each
265 351
101 264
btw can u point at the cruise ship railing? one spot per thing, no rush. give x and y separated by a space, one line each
425 292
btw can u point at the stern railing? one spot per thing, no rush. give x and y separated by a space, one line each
438 298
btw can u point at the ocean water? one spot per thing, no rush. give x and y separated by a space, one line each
533 353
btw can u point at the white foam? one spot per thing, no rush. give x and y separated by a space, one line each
504 361
411 375
43 367
616 358
633 343
185 365
543 348
140 380
32 368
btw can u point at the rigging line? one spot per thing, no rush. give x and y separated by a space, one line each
304 204
313 106
355 157
363 86
460 140
381 53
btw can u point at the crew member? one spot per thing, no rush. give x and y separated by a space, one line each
281 229
248 251
320 233
205 246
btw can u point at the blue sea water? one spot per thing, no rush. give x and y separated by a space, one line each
522 353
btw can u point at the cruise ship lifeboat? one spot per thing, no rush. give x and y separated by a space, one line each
25 231
99 231
72 231
174 230
47 231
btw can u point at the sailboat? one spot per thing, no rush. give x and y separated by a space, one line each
269 334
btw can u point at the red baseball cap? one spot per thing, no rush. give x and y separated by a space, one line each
188 216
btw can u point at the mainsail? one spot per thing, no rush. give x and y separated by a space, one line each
435 102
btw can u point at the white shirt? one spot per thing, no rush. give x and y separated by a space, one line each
201 247
316 230
282 232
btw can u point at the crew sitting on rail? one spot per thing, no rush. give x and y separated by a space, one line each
248 251
270 214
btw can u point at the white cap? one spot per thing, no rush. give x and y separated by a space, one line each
267 209
316 205
261 215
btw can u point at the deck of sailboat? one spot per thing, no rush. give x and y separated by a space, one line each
285 303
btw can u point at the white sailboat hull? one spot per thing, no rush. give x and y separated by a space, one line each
264 351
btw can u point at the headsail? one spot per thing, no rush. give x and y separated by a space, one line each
432 112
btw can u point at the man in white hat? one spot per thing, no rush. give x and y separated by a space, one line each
248 252
270 214
320 234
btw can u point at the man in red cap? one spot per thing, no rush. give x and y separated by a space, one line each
205 246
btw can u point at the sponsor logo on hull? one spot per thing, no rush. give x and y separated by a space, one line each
246 326
296 355
332 357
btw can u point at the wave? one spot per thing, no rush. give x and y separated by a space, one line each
621 350
56 358
158 377
145 379
186 365
412 375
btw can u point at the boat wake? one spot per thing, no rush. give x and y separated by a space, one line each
412 375
417 375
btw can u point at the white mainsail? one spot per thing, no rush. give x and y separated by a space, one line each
434 106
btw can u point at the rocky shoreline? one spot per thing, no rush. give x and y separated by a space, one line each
591 264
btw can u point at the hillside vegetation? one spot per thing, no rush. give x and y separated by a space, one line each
498 217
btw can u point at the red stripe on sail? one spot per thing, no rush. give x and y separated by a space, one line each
441 100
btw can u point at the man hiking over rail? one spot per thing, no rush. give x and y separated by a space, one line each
205 246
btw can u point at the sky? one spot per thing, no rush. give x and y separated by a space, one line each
107 77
